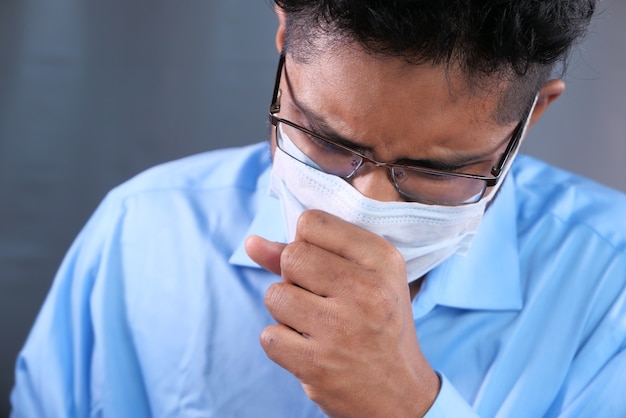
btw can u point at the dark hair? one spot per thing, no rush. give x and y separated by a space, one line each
520 40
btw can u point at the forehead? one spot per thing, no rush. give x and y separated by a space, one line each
385 101
345 62
515 90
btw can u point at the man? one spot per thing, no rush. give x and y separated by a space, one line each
418 272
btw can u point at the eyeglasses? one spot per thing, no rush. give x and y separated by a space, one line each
413 183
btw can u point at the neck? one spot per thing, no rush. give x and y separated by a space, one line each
414 287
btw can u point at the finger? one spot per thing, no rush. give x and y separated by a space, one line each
318 270
288 349
265 253
299 309
345 239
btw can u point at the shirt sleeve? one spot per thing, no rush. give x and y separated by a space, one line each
449 403
596 382
54 369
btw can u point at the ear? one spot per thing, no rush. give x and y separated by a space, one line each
548 93
280 32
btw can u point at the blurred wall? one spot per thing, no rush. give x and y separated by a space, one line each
91 93
585 130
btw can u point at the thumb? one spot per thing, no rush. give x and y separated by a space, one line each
265 253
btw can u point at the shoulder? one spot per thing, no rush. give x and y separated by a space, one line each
229 167
185 200
154 252
571 243
194 186
570 202
572 248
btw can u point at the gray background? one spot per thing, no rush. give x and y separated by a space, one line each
92 92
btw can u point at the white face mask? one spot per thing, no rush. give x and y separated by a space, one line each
425 235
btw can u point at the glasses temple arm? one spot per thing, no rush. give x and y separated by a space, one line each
275 105
518 135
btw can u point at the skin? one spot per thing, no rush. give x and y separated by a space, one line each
343 307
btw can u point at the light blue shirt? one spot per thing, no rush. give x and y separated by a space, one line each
157 310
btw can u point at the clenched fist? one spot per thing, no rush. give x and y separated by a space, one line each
344 321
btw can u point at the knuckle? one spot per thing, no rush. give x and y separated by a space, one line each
378 309
276 297
315 371
311 221
386 305
389 259
390 253
293 255
308 354
312 217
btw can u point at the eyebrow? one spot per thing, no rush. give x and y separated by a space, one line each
321 127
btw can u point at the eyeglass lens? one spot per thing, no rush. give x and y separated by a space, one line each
412 183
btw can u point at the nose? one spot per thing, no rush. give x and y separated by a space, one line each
376 183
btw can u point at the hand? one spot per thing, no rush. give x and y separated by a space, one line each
345 326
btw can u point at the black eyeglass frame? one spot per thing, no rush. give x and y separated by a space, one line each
496 171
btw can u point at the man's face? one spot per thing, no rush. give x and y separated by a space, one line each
394 111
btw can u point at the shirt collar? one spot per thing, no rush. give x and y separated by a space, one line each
267 222
487 277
